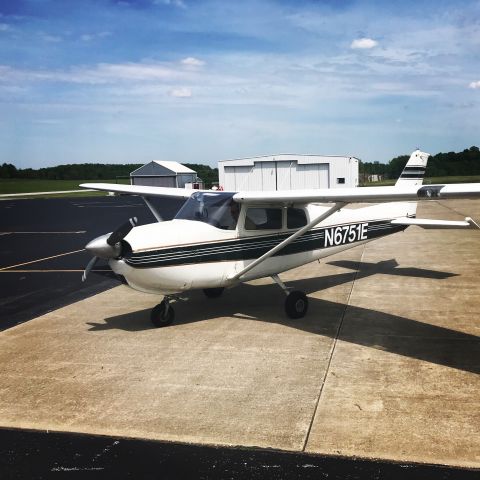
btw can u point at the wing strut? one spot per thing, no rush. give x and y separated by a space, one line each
154 211
334 208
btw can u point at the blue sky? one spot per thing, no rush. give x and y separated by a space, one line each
204 80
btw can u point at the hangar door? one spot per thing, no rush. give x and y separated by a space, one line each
311 175
289 175
152 181
276 175
237 178
271 175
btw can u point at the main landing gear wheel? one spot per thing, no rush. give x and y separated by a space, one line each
163 314
296 304
213 292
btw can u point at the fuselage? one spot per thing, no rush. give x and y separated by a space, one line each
192 253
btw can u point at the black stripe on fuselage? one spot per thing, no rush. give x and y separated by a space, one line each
247 248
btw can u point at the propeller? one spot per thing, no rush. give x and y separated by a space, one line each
108 246
122 231
89 266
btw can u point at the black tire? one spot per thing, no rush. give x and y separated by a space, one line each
160 316
296 304
213 292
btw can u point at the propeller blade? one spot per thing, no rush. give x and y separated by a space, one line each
89 266
121 232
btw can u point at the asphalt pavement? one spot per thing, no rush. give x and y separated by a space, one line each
42 253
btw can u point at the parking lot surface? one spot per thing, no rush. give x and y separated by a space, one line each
42 254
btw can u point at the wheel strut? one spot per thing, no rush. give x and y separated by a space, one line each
163 314
277 280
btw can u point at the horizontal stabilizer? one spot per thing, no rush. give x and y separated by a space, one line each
438 224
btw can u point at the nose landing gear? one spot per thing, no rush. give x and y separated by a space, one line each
163 314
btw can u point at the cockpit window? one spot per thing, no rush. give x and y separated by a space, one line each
296 217
261 218
215 208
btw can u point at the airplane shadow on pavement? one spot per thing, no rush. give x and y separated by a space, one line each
361 326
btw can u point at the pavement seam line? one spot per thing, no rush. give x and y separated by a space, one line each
324 381
41 259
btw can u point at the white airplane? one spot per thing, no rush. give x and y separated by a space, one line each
221 239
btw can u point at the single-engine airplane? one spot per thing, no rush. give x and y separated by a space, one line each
220 239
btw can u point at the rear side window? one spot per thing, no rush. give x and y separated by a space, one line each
296 218
263 219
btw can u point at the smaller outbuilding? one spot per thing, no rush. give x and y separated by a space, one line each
159 173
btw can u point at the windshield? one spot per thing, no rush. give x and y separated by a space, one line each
217 209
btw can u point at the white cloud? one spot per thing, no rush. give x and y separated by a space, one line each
112 73
363 43
475 85
173 3
4 27
192 62
181 93
88 37
51 38
101 74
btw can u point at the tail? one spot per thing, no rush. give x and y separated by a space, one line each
412 175
414 170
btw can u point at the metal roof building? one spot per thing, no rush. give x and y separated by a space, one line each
163 174
288 172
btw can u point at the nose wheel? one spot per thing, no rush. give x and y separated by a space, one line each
163 314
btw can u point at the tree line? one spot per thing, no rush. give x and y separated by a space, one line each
439 165
95 171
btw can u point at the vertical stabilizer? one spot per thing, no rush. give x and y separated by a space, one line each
412 175
414 170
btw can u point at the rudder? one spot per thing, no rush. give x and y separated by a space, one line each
414 170
412 175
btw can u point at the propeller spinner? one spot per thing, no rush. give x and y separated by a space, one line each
108 246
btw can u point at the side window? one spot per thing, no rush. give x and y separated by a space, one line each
296 218
341 180
263 219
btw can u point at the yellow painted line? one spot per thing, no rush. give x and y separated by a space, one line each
49 271
41 259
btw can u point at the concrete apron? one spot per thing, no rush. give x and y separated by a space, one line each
386 364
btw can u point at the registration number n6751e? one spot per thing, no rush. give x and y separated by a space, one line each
345 234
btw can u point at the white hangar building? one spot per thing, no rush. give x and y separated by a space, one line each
288 172
163 174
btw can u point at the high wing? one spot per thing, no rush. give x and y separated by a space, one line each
338 198
363 194
141 190
144 191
